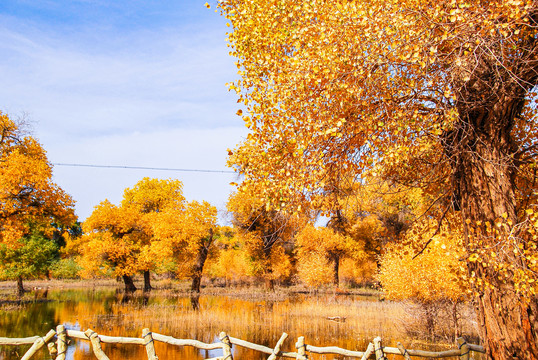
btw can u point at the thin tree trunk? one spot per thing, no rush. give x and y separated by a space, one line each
269 282
268 278
129 284
198 269
336 270
430 313
339 224
201 257
147 281
480 148
20 287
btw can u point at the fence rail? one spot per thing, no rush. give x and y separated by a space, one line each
58 348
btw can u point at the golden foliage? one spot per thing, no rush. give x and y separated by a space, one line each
437 95
436 274
358 272
334 87
121 238
230 264
514 261
181 234
27 192
265 233
33 209
318 248
184 231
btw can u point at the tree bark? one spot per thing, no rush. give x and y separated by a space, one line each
20 287
147 281
201 257
339 224
198 269
129 284
481 151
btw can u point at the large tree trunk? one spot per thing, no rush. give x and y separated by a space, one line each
147 281
129 284
480 148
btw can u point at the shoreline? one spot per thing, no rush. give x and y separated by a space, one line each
182 287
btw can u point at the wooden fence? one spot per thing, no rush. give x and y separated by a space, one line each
57 348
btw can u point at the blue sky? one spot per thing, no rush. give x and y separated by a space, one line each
130 83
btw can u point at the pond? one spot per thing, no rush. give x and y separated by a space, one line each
347 321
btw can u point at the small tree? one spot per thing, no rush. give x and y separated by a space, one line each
186 235
121 238
112 241
263 230
435 276
317 251
149 197
32 257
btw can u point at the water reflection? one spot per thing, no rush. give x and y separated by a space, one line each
195 302
257 320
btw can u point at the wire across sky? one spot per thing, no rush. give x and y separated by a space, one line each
144 168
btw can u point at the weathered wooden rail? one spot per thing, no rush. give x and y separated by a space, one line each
58 348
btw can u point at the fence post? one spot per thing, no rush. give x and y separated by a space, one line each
464 349
96 345
379 354
61 343
148 343
301 349
52 350
278 345
368 352
403 351
38 344
226 346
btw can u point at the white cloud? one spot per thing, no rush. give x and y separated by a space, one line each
150 97
141 85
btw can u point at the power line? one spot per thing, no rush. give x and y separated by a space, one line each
144 168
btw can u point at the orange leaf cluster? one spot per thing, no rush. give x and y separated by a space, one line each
27 193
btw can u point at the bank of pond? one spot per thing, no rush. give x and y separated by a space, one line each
348 321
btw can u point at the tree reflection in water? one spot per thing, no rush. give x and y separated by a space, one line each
195 301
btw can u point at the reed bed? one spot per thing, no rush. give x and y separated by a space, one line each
325 319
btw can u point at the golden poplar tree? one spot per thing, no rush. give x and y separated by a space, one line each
121 238
319 249
432 94
265 232
32 206
186 236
